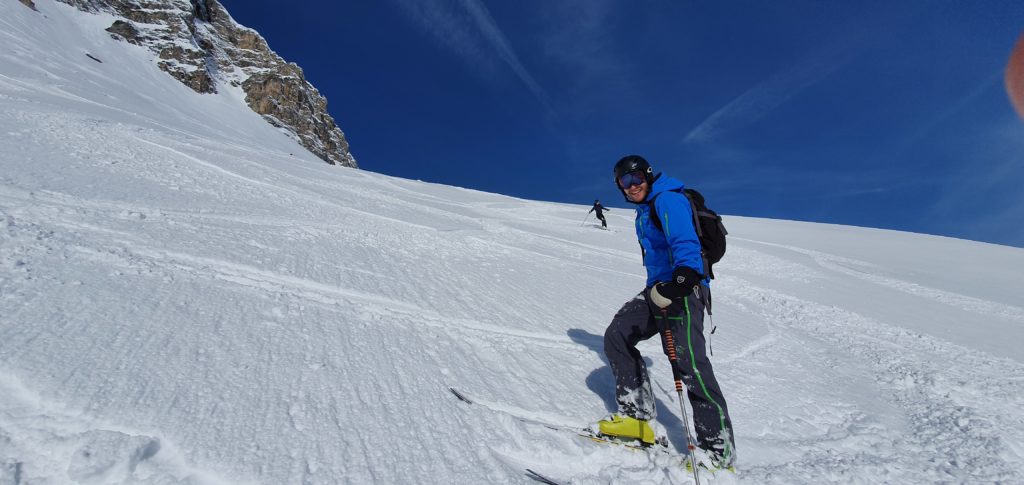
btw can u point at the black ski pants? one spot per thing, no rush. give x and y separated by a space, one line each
638 320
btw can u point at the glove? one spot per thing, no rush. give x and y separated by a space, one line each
683 281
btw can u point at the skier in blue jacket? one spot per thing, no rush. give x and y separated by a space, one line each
673 298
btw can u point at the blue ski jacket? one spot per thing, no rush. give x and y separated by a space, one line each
676 245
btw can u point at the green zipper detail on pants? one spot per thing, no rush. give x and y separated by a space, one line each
693 363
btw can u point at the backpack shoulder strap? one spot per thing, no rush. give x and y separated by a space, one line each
657 219
689 193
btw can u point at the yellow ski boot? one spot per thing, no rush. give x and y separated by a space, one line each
625 427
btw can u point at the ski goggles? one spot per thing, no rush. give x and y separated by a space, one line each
632 178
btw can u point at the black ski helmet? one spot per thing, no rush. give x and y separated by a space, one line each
633 163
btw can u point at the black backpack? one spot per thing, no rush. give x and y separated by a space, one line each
710 230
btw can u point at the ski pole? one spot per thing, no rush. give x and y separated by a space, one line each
673 360
585 219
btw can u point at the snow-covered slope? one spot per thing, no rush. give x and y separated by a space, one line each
186 296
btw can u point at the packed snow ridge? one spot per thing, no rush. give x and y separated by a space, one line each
187 296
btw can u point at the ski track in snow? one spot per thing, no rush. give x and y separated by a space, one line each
956 403
132 254
869 272
186 296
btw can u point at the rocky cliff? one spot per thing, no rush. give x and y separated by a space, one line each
198 43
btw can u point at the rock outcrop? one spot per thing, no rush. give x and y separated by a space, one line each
198 43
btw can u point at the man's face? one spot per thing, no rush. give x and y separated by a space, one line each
638 193
635 186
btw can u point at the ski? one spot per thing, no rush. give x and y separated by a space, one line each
540 478
584 433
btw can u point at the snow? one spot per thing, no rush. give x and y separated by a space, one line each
188 296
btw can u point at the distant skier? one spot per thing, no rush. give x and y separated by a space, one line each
599 210
674 295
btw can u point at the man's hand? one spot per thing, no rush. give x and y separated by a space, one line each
683 281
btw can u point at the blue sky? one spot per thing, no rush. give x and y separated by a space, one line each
871 113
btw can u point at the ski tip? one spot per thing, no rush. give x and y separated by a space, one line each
462 397
540 478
